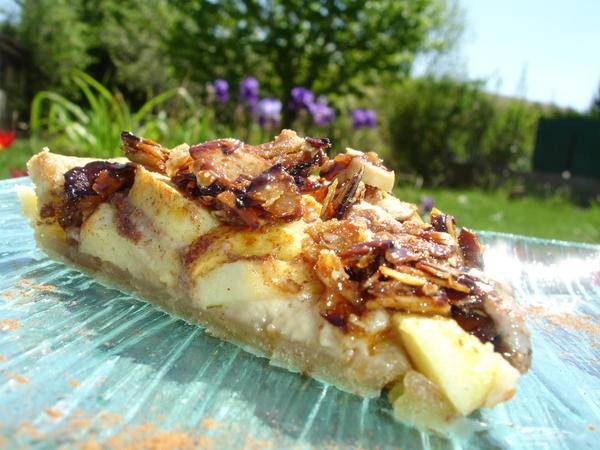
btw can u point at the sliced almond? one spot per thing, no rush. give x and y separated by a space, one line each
402 277
372 175
411 303
378 177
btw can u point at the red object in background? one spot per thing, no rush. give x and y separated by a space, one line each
16 173
7 138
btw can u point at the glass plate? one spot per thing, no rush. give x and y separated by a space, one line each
84 364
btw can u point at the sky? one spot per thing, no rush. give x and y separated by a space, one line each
543 50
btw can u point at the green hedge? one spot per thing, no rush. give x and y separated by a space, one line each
453 133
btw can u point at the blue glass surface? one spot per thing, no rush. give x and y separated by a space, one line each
84 364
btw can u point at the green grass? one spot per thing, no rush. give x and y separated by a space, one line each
549 218
16 156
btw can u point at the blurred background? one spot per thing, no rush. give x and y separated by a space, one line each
489 110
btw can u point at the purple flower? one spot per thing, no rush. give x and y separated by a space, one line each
358 117
249 92
221 88
363 118
301 98
370 118
321 112
268 111
426 204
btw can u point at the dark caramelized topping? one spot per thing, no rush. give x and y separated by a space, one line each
335 166
362 260
341 197
243 184
98 178
187 184
410 268
276 192
226 146
226 162
88 186
337 312
471 248
144 151
476 322
443 223
320 143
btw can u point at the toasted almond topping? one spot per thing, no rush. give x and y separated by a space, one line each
402 277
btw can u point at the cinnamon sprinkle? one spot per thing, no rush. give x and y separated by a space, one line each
145 436
9 325
27 428
54 413
80 423
109 419
209 424
582 322
141 437
37 287
21 379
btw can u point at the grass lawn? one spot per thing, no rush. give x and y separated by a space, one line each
550 218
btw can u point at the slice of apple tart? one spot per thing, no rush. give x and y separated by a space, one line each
306 260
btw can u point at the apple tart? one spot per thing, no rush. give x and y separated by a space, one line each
307 260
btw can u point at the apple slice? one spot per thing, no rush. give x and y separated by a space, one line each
458 363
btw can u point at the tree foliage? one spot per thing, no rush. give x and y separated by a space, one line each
133 34
326 45
121 42
143 47
57 40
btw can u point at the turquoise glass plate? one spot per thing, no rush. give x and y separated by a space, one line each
86 366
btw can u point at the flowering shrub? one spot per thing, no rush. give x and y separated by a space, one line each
321 113
267 111
363 118
425 205
301 98
221 89
176 116
249 92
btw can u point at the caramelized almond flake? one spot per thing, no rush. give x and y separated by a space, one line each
402 277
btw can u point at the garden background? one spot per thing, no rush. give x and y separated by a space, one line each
74 74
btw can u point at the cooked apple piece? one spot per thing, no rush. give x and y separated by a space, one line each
458 363
254 281
505 383
419 402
